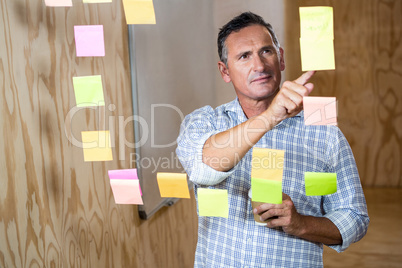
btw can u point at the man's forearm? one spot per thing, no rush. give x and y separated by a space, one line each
224 150
285 215
320 229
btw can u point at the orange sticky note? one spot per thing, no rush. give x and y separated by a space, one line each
320 111
139 11
267 164
96 145
173 185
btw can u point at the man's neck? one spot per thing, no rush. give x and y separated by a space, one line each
253 108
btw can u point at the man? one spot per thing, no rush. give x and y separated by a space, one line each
215 148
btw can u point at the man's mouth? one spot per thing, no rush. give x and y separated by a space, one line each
262 78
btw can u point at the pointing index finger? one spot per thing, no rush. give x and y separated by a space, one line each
303 79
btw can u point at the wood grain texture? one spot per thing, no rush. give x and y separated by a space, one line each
366 82
55 209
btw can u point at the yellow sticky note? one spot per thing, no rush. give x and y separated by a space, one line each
88 91
96 145
316 22
139 11
267 164
173 185
96 1
213 202
317 54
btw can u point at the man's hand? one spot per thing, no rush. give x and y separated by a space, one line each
285 215
282 215
289 100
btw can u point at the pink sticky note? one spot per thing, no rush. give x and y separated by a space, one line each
125 186
124 174
320 111
59 3
89 40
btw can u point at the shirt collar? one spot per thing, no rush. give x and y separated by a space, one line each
235 107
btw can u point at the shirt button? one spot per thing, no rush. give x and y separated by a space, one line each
249 240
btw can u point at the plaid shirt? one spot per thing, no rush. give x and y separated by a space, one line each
237 241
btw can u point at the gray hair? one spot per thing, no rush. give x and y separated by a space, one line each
236 24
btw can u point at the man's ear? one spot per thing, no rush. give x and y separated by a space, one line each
224 72
282 59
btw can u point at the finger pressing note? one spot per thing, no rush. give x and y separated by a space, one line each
303 79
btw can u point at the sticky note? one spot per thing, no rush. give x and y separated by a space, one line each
213 202
139 11
317 38
89 40
318 183
316 22
126 191
317 54
173 185
59 3
88 91
124 174
267 164
96 1
96 145
267 191
320 110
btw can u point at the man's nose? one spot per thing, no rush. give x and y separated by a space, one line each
259 64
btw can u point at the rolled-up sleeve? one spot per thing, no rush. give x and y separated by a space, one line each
346 208
195 130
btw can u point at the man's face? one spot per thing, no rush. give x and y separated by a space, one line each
253 66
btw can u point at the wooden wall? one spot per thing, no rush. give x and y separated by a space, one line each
367 81
55 209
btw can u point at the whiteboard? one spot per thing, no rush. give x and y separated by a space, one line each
173 69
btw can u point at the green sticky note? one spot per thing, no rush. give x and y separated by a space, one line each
88 91
267 191
213 202
318 183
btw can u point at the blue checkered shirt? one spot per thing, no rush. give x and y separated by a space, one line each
237 241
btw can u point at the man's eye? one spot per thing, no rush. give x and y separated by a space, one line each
267 51
245 56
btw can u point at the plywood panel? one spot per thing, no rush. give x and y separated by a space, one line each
55 209
366 82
